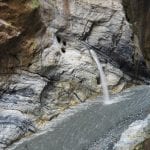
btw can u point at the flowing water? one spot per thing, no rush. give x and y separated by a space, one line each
92 125
102 77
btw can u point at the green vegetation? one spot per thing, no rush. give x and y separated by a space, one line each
35 3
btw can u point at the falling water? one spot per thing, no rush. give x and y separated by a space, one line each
102 77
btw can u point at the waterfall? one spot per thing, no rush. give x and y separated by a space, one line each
102 77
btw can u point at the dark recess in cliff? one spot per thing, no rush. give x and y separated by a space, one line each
138 13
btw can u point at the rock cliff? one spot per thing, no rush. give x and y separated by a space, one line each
138 13
45 64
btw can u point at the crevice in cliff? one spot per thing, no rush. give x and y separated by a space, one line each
86 33
138 14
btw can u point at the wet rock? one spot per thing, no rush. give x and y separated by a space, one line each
135 134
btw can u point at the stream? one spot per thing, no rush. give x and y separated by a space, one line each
92 125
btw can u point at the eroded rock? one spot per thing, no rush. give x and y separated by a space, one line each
13 125
22 92
45 64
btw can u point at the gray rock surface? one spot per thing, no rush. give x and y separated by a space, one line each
13 125
92 125
22 92
45 64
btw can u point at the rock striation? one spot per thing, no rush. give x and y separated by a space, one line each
45 64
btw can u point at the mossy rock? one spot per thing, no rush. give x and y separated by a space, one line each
35 4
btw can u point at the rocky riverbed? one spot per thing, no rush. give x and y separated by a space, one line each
97 126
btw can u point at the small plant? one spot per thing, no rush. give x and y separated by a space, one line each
35 3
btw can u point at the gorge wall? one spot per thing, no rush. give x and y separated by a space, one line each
45 64
138 13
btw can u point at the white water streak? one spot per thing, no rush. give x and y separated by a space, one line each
102 77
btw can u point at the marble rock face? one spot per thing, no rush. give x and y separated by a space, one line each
45 63
13 125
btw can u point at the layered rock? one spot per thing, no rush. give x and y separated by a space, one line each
45 63
13 125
